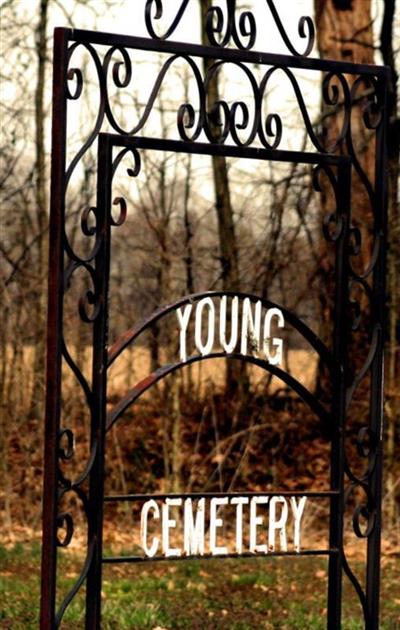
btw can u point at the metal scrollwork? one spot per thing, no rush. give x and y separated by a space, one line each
306 31
250 123
223 28
332 225
221 33
66 441
65 522
158 13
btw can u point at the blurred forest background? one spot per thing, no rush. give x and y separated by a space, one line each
193 225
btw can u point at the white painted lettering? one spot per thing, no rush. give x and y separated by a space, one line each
254 522
215 523
193 530
207 347
229 347
277 524
239 502
273 347
167 524
149 505
205 335
297 510
183 320
268 528
250 327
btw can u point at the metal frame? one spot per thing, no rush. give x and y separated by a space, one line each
262 143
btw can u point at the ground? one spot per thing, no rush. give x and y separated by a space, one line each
279 593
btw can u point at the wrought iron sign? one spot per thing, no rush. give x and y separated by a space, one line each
230 129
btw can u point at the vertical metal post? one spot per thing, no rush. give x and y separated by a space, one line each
99 385
379 318
54 334
339 397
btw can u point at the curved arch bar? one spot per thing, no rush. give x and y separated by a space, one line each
156 376
78 374
356 585
366 366
133 333
82 577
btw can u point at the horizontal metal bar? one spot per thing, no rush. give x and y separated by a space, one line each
207 495
228 54
136 559
227 150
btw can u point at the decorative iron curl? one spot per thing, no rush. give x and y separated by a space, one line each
306 30
159 9
276 120
366 444
132 172
90 298
355 310
125 81
354 301
186 119
369 515
229 119
371 102
333 223
77 75
74 485
220 34
226 116
222 27
373 107
118 81
65 521
66 452
364 509
87 230
331 98
361 284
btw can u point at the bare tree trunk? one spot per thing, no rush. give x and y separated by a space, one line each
344 32
36 407
235 374
223 205
188 229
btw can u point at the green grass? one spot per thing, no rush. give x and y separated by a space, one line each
276 594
